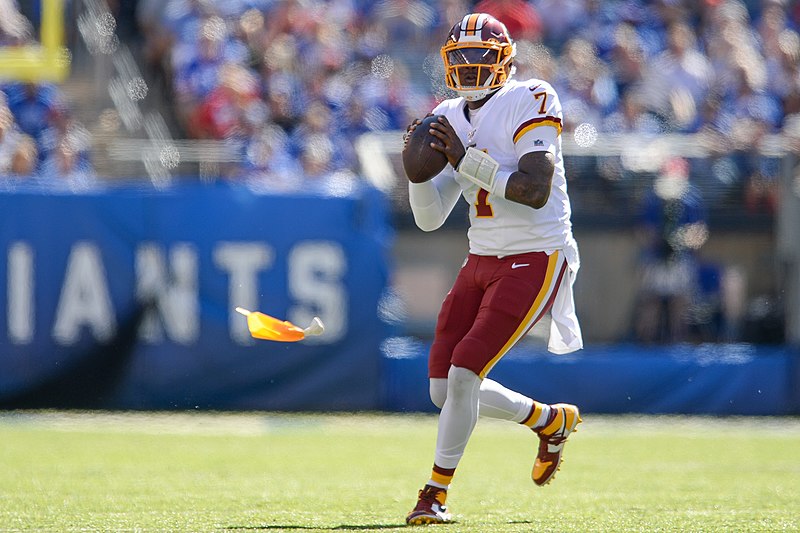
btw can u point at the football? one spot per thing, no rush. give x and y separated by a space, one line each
420 161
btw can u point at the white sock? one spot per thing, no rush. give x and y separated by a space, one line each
458 417
542 417
437 484
499 402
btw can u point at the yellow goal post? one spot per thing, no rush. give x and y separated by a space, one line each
45 60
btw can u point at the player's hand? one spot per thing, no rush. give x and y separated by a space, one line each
411 127
451 146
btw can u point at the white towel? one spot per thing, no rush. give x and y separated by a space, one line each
565 330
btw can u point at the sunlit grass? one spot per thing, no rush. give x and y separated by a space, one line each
261 471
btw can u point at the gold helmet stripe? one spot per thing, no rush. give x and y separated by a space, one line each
472 24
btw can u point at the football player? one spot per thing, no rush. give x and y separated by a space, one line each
502 139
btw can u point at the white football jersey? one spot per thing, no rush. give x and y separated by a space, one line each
522 117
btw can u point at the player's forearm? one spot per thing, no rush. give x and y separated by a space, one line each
426 206
431 202
530 190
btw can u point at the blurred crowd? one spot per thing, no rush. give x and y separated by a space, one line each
295 83
40 140
298 81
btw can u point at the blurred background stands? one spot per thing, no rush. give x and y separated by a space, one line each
297 94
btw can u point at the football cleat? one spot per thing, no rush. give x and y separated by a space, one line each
430 507
563 420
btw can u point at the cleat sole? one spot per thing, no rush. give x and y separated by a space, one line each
425 520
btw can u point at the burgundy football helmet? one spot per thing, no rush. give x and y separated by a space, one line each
477 56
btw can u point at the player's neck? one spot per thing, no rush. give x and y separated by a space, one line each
477 104
471 109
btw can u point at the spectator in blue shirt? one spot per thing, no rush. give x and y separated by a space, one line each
672 228
35 107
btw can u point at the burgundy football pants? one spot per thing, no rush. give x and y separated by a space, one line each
493 304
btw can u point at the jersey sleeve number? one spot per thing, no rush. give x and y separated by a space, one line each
543 97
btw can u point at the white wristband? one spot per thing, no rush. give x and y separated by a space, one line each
482 170
478 167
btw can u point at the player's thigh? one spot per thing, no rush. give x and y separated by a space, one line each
511 305
458 313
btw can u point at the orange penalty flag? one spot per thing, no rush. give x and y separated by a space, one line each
269 328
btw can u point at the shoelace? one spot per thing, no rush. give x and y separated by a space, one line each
555 438
428 494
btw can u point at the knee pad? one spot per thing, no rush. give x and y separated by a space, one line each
438 391
462 382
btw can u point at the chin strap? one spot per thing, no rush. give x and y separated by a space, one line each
474 95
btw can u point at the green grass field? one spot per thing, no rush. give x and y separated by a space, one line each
262 471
